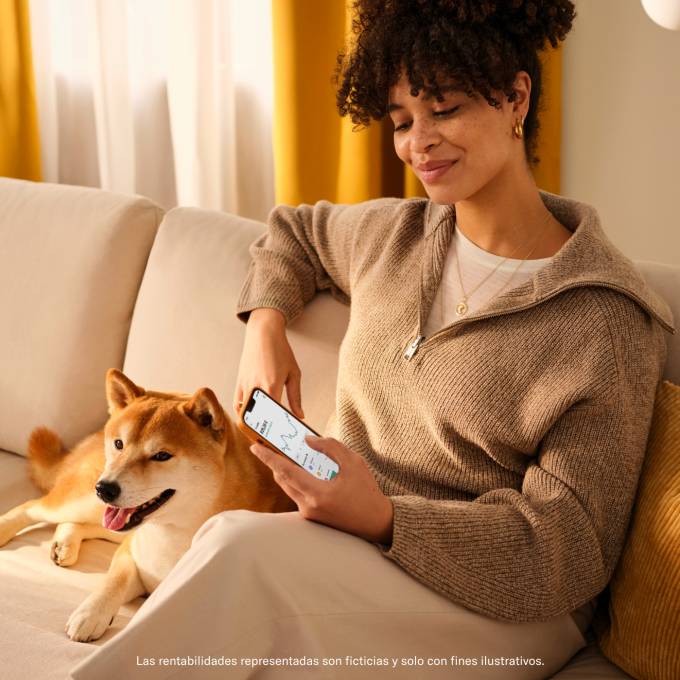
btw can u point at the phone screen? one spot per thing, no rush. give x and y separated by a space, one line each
286 433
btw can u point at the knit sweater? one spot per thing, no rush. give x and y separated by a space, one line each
509 442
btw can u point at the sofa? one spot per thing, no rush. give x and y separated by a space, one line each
91 280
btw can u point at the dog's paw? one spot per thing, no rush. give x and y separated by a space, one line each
63 554
88 622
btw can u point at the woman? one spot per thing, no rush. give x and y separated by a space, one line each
495 390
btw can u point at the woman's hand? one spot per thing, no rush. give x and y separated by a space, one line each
351 501
267 361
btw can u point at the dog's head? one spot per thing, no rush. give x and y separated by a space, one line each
158 445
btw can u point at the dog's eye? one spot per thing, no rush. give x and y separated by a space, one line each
161 455
118 443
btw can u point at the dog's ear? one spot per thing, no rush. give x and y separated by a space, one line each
205 409
120 390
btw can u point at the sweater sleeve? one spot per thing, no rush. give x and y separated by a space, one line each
305 249
543 551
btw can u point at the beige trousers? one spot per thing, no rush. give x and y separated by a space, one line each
278 596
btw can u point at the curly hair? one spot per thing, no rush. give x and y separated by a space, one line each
475 45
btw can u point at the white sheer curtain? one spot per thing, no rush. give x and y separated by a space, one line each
171 99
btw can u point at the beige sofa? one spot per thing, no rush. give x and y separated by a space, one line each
91 280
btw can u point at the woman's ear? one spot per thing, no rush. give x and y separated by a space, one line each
522 88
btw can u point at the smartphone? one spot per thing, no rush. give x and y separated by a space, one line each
267 422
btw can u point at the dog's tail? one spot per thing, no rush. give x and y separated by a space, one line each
45 454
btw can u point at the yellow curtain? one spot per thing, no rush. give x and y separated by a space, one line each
19 140
316 154
547 173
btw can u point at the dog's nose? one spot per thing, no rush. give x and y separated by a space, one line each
107 491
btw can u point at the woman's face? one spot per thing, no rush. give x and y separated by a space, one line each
469 141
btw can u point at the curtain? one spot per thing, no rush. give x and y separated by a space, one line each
19 140
170 99
174 99
547 173
316 153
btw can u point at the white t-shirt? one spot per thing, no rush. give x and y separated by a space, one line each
475 264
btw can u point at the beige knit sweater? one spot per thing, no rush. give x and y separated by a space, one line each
511 441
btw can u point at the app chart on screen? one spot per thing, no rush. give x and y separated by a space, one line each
287 434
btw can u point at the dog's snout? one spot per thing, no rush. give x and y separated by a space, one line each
107 491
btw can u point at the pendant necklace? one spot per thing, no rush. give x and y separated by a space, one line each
462 306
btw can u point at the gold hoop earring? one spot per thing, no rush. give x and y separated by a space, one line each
519 128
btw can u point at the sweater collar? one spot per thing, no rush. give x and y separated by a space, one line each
587 258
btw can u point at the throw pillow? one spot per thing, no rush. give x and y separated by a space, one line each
642 635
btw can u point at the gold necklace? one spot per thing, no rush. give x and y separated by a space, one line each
462 306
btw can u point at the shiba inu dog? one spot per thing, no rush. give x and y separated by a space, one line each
163 464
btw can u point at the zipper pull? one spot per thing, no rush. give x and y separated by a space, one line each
413 347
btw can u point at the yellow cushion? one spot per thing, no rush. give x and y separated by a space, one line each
643 632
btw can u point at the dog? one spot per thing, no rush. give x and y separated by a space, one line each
162 465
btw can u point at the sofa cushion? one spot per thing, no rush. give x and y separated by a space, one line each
71 263
643 635
185 333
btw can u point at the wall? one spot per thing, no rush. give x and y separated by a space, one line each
621 125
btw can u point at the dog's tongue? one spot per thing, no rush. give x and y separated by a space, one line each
114 518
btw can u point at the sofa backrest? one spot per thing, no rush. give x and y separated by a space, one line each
71 262
185 334
665 280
